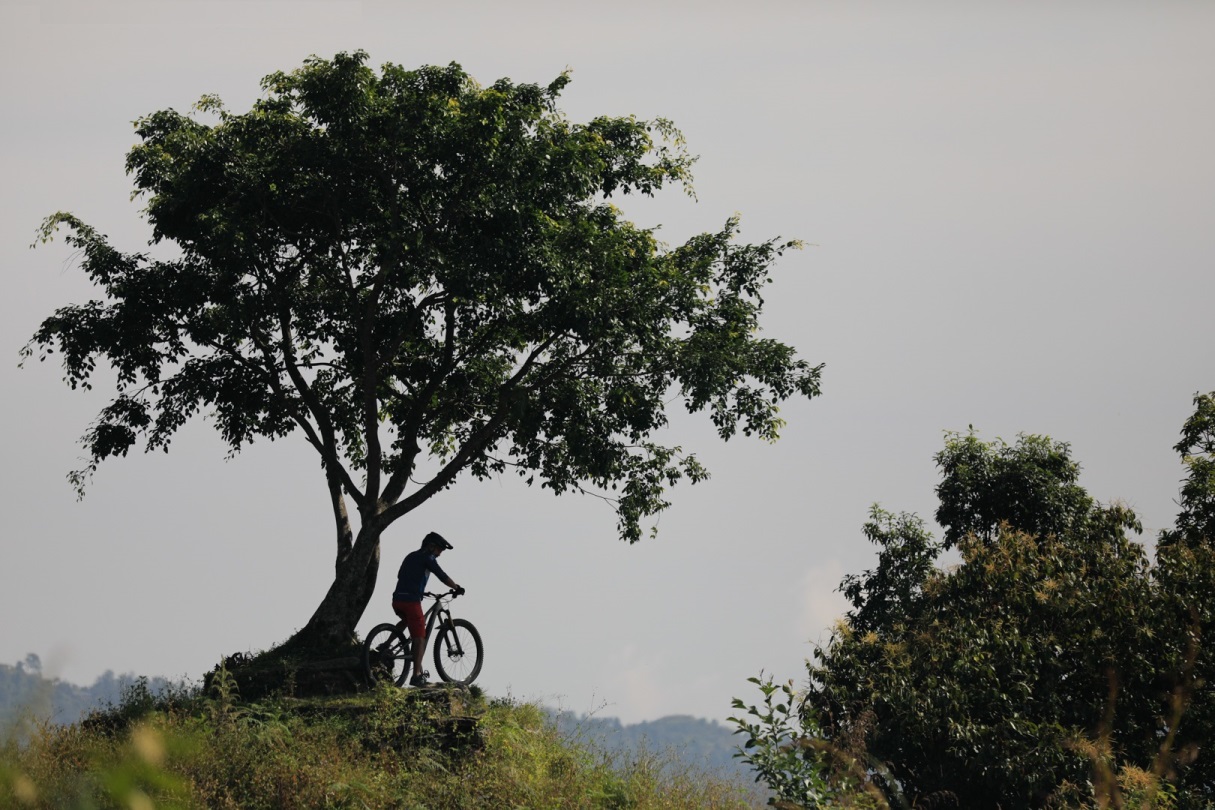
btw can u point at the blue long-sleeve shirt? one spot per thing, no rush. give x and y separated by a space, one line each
414 574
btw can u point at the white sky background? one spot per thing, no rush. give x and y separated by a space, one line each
1013 207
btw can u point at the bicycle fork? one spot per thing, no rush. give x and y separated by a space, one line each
451 638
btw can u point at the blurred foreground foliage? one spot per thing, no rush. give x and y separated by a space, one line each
381 749
1054 665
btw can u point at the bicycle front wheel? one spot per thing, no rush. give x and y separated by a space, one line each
387 655
458 652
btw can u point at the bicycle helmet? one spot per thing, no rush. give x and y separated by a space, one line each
436 539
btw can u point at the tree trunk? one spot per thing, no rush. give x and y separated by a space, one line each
331 628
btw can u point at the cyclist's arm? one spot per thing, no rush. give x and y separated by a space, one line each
442 575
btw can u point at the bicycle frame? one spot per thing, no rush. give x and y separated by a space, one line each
439 612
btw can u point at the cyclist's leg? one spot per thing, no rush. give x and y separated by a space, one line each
419 648
412 617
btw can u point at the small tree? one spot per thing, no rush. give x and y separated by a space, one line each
407 265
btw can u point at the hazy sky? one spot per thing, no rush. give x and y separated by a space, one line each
1012 208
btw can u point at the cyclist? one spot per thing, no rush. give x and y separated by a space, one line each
407 598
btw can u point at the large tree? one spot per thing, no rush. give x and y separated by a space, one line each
402 265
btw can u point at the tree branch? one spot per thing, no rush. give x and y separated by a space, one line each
341 519
475 444
328 444
412 423
371 411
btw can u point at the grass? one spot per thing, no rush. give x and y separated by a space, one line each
381 749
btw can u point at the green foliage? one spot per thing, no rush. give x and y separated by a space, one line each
1197 449
406 262
1053 665
221 700
1032 486
381 749
780 747
1186 571
1010 657
888 593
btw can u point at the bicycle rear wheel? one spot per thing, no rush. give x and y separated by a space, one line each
387 655
458 652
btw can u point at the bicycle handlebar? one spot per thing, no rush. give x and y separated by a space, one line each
452 593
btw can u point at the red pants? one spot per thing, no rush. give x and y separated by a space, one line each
411 615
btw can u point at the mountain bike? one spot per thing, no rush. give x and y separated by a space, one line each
388 651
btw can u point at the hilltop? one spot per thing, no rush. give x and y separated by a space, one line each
704 744
433 747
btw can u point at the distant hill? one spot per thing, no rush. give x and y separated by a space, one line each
695 741
25 692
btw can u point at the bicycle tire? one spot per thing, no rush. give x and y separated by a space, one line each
459 663
387 655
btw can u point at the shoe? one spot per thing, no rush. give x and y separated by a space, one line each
421 679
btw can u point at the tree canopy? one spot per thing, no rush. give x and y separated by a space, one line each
404 264
1054 665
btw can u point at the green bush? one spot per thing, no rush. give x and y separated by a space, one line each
1054 666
